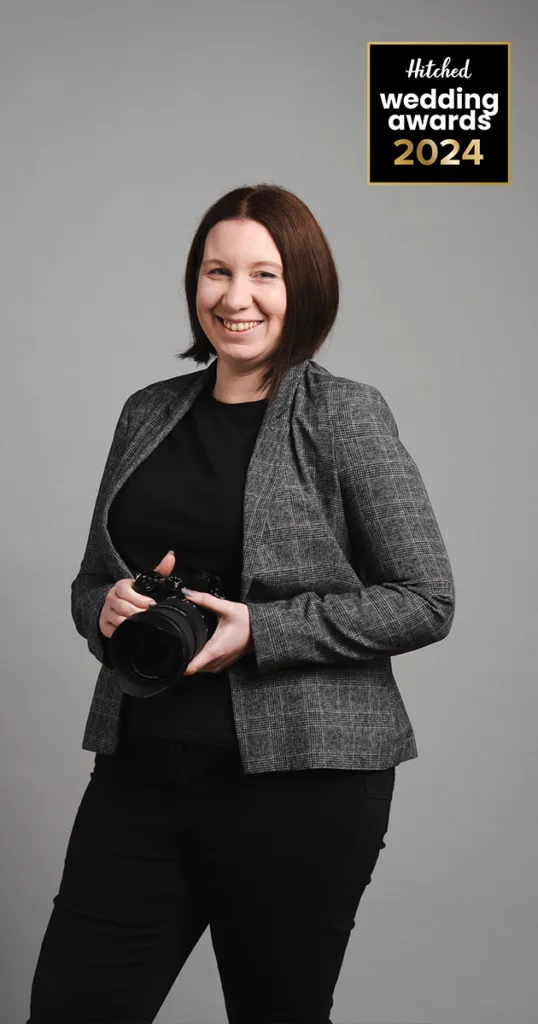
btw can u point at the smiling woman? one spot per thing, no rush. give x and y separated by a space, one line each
260 255
252 794
243 302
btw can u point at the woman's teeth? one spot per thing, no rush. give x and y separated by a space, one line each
247 325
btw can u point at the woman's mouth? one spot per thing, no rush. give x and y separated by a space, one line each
245 327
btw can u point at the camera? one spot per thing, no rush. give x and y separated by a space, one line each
151 649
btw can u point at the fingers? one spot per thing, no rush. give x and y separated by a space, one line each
123 593
166 564
106 625
112 622
124 608
121 602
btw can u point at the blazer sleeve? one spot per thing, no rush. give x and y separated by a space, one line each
409 601
94 580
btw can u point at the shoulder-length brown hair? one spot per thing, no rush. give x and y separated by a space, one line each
310 275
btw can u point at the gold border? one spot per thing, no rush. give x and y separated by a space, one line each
439 42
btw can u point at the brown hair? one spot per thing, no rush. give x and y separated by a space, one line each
310 275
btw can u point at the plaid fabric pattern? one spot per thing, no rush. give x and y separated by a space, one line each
344 567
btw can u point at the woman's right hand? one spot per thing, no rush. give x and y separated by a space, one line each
122 601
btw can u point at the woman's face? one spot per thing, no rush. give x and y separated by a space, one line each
241 278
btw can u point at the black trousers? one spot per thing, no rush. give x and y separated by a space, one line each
171 837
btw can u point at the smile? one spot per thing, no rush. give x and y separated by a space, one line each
246 327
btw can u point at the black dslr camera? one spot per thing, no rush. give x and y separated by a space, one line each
151 649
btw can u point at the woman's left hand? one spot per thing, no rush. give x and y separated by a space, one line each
232 637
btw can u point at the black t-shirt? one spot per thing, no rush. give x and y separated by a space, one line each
187 496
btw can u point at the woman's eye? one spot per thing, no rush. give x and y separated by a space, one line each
217 269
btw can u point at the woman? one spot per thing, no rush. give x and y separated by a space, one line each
255 796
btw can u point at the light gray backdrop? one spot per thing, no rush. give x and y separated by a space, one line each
122 122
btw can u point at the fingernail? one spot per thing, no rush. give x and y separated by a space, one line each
187 591
171 552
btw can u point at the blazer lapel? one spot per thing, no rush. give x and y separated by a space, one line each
262 473
167 408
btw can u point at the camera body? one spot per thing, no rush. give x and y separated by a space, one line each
151 649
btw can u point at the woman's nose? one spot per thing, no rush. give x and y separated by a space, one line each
238 293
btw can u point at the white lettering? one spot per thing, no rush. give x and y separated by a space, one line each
415 69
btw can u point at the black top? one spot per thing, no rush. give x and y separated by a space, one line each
187 496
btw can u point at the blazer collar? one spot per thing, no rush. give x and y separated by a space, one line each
167 408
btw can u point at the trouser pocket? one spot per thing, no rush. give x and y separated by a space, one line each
379 785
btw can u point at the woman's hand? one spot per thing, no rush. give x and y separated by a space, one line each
231 639
122 601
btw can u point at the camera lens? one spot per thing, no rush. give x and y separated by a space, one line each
149 653
151 649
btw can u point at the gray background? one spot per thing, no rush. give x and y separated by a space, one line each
122 122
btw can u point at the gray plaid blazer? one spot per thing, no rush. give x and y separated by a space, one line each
343 567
